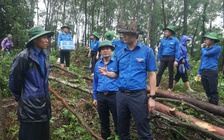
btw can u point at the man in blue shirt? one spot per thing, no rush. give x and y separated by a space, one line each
28 82
64 54
134 62
93 50
105 89
168 55
208 69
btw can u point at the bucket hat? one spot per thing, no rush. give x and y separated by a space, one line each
96 34
65 26
131 27
171 28
109 35
36 32
213 36
106 43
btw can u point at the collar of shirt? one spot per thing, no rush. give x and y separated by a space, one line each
111 60
138 45
171 38
38 52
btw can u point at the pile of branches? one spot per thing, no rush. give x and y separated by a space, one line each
210 125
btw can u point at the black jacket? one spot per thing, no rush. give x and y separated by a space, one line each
30 87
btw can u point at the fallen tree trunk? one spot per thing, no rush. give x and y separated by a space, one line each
76 114
188 126
217 110
70 84
72 73
202 124
209 115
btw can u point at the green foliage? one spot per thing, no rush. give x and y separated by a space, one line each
5 63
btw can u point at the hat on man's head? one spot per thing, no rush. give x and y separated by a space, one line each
9 35
65 26
106 43
96 35
36 32
213 36
171 28
109 35
131 27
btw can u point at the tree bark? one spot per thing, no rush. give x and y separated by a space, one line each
80 119
121 12
202 124
195 34
85 30
149 22
188 126
204 20
185 16
216 110
164 14
64 11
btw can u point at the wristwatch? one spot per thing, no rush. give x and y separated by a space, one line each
152 96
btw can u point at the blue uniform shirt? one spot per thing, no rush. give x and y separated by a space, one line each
94 45
103 83
40 55
118 44
169 46
64 37
210 58
133 66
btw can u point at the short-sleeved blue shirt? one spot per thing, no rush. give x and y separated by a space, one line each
103 83
64 37
133 66
94 45
118 44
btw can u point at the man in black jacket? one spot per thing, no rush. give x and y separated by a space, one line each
29 85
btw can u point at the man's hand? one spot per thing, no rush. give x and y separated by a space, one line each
175 64
151 105
183 60
2 49
95 103
159 63
59 48
103 70
203 45
97 56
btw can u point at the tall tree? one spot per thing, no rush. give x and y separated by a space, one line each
149 21
185 17
164 13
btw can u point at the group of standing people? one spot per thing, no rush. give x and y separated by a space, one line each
119 79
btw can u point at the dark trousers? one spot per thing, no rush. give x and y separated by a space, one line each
34 131
135 104
107 104
209 79
65 55
183 76
166 61
93 60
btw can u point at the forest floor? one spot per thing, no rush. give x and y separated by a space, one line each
65 126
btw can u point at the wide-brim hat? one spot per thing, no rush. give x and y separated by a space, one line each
65 26
106 43
171 28
96 35
36 32
132 27
213 36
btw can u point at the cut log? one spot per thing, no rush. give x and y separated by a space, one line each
72 73
70 84
216 110
199 110
191 127
76 114
202 124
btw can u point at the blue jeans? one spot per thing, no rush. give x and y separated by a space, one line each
107 104
135 104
